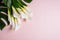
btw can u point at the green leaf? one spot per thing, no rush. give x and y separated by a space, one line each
2 24
5 17
8 3
2 4
5 2
28 1
15 4
4 10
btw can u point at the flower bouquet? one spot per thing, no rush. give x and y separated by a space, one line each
12 12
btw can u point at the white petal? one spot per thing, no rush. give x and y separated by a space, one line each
4 21
18 24
27 12
15 13
23 15
24 2
13 23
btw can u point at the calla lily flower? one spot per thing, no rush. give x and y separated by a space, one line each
17 16
14 19
25 13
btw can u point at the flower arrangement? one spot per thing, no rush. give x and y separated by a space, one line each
13 12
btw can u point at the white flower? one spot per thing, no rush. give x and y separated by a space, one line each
14 20
18 14
16 23
25 13
15 13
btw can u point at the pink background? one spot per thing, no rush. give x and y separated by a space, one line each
45 23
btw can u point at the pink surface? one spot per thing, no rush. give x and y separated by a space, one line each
45 24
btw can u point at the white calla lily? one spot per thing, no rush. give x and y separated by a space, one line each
24 13
16 23
14 19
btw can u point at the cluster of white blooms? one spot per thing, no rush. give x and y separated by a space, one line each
19 14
